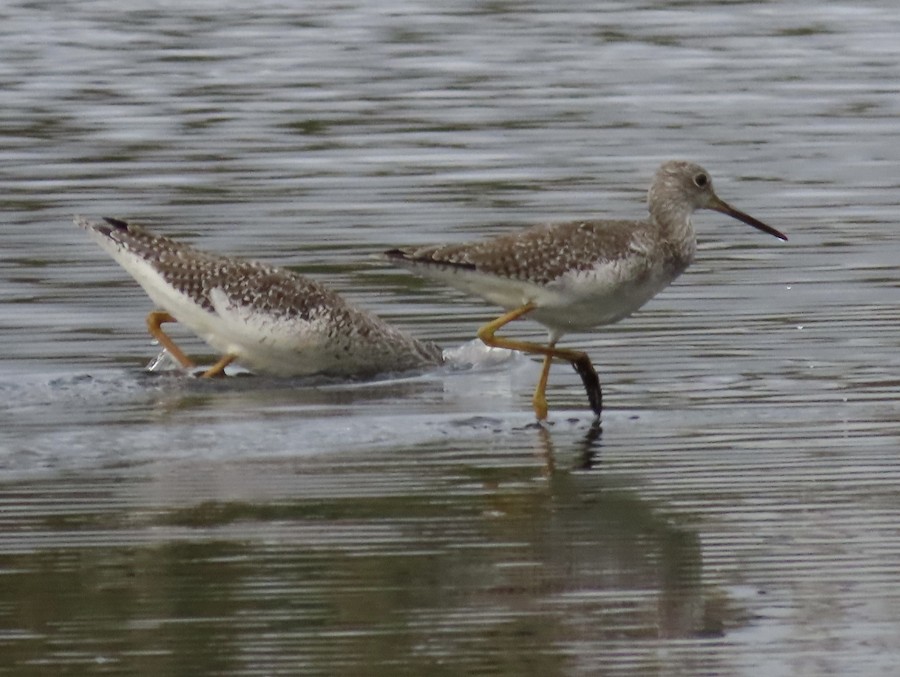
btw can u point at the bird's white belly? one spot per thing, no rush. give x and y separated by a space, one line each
267 345
264 345
593 298
576 301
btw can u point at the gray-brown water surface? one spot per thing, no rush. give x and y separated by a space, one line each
737 515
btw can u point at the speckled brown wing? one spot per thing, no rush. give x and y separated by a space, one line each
195 273
537 255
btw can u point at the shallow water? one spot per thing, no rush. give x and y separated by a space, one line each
736 515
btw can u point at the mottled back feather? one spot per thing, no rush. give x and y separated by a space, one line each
540 254
195 273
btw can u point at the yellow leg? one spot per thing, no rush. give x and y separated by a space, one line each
154 320
579 360
219 367
539 399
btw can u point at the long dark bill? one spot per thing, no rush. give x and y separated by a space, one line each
725 208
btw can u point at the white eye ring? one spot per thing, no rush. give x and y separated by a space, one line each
701 180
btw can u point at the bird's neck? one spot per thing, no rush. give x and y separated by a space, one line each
676 232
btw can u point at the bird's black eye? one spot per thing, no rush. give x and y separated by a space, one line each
701 180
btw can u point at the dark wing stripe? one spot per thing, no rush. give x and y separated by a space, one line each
426 260
118 224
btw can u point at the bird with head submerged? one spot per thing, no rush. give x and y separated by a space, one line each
578 275
267 318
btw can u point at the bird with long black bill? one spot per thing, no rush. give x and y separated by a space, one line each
582 274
